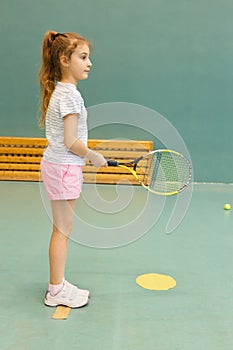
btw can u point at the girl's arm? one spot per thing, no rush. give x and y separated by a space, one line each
70 136
75 145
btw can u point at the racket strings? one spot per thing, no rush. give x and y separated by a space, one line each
164 172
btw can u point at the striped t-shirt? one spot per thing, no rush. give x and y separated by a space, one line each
66 99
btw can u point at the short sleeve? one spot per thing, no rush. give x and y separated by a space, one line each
70 104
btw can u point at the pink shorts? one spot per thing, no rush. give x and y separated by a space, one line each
62 181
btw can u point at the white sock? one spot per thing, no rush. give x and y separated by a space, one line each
55 288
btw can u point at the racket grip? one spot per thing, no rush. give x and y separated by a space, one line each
112 162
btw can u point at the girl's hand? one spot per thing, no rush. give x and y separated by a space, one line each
96 159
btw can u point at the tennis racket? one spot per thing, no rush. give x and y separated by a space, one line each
163 172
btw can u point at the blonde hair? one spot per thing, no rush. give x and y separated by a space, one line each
54 46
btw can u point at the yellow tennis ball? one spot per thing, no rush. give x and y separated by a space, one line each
227 206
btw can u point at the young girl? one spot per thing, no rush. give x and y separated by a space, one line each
65 61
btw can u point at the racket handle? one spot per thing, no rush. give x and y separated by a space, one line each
112 162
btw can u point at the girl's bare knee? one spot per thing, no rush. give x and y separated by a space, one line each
64 231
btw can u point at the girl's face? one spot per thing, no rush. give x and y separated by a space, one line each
78 66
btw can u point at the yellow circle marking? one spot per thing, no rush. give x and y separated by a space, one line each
155 281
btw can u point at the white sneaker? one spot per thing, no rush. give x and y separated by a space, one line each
69 295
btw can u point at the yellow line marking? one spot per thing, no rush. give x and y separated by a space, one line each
61 313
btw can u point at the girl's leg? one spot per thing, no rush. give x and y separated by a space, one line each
60 291
63 213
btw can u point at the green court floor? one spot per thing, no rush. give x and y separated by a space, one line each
195 315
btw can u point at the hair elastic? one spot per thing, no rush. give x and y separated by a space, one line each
58 34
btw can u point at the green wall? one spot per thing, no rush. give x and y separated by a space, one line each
172 56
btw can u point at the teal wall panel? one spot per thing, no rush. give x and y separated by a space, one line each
172 56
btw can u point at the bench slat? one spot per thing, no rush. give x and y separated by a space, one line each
19 159
19 166
120 144
111 179
22 150
20 175
23 141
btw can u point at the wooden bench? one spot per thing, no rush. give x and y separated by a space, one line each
20 159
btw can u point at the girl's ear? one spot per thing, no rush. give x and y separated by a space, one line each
64 61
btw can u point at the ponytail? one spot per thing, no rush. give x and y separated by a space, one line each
54 46
47 74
